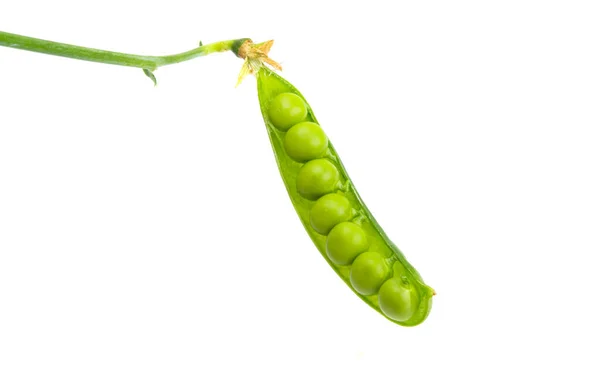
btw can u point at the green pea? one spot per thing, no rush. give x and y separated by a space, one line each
328 211
397 300
286 110
345 241
305 141
369 270
317 178
313 174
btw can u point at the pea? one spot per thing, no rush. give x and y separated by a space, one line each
369 270
313 173
286 110
317 178
305 141
397 300
328 211
345 241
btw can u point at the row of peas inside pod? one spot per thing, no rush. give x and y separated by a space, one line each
352 245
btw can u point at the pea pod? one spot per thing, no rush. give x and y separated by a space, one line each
332 212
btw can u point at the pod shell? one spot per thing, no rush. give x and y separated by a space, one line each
270 85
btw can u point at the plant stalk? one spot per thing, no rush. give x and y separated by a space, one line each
148 63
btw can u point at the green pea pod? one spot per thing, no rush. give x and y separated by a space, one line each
335 217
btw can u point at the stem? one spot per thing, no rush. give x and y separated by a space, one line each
116 58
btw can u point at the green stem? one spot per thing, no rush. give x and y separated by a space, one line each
149 63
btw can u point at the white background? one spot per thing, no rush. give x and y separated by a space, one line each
146 236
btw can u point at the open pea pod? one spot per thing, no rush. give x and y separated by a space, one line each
335 217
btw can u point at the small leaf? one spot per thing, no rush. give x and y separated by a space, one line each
199 43
246 70
150 75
